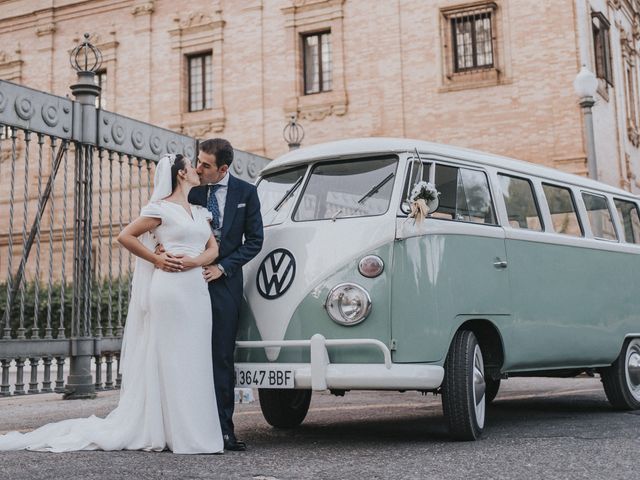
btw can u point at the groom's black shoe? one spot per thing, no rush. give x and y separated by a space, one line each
232 443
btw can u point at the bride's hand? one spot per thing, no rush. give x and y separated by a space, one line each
169 263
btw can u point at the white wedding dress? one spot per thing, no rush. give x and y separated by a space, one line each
167 398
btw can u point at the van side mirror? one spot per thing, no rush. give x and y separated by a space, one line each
424 199
416 174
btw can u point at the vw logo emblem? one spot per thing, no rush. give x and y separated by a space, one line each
276 274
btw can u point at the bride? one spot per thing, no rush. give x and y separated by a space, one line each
167 398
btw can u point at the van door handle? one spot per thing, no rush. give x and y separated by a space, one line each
499 263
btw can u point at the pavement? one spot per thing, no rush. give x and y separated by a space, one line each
537 428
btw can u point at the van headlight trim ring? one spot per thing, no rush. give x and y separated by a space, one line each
348 304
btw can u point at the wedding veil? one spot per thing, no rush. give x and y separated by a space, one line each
162 178
136 332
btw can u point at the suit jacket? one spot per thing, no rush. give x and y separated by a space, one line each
241 237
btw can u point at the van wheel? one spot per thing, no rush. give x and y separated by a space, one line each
284 408
463 389
492 388
622 379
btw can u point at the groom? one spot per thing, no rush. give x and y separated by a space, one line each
237 225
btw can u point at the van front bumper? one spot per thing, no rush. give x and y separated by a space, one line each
320 374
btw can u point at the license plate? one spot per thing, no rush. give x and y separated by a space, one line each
264 377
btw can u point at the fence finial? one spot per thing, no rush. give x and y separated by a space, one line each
86 57
293 133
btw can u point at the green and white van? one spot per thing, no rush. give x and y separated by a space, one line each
521 270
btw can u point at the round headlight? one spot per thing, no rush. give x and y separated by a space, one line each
348 304
371 266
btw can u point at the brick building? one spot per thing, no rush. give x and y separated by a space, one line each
494 75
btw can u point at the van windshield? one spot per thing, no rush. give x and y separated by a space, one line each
276 192
358 188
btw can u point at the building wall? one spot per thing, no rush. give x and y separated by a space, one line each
618 158
391 62
389 79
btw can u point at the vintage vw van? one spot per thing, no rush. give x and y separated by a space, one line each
521 270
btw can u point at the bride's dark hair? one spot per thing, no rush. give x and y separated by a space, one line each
178 164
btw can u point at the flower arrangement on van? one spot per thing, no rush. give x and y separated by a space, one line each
424 199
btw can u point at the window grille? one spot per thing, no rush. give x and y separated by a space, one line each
472 39
601 46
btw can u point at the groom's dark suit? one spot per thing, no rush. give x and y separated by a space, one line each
240 241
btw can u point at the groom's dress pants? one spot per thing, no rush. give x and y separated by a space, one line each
225 327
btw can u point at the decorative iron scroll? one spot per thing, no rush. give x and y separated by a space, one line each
36 111
132 137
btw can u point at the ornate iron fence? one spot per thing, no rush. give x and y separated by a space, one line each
71 175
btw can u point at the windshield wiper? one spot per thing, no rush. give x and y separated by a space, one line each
375 189
288 194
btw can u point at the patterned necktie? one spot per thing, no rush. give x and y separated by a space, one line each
212 206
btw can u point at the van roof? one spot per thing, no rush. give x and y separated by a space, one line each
346 149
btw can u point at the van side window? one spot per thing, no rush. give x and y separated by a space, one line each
520 201
563 210
630 219
464 195
599 216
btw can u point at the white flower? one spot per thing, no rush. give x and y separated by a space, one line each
424 191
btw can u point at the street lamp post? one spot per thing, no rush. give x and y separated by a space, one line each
293 133
586 85
85 60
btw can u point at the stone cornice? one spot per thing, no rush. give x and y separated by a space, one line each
465 7
631 5
144 8
9 63
299 6
6 58
627 43
305 13
200 124
11 66
196 21
629 8
249 5
196 30
46 29
79 9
